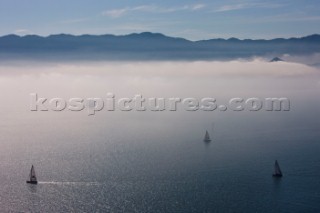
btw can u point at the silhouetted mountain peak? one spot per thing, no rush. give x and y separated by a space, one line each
61 36
146 35
10 36
233 39
276 59
314 37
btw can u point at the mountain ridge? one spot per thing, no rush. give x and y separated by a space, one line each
150 46
314 37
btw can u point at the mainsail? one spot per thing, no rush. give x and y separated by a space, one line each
277 170
207 137
32 176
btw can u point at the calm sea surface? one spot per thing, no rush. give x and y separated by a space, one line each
157 161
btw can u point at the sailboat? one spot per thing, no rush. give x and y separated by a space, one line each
32 176
277 170
207 137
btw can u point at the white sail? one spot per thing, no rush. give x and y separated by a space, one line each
277 170
207 137
32 175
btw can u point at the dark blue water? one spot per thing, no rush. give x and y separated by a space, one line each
160 167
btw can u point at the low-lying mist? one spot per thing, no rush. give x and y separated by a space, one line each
199 78
220 80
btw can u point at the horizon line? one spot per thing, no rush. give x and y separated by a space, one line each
154 33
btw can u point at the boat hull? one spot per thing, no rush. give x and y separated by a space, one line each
32 182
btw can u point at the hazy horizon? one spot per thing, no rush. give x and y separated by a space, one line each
158 32
162 106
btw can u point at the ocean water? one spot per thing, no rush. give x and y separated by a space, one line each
143 161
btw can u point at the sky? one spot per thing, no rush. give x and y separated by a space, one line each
194 20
